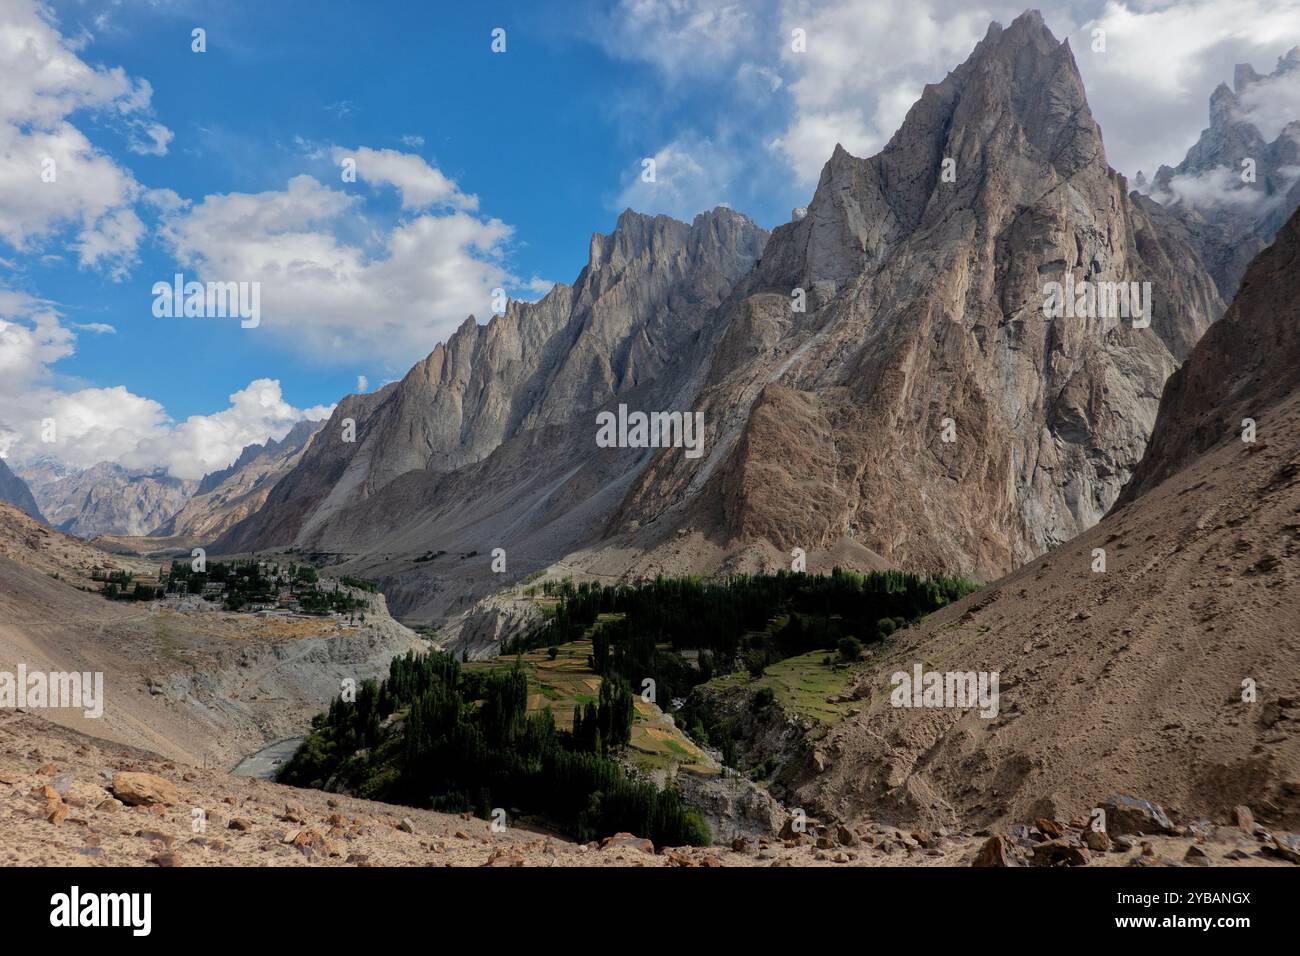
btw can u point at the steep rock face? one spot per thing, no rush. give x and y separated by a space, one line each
1240 369
1230 212
14 491
225 497
925 302
106 498
624 325
1143 663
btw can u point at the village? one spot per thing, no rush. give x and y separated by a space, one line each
249 586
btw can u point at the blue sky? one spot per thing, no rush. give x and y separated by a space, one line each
475 169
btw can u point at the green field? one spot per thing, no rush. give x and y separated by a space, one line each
567 681
802 685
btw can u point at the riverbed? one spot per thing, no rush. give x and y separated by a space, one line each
268 760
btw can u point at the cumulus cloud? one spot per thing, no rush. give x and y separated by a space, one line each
205 443
52 178
392 298
31 338
420 184
334 283
83 426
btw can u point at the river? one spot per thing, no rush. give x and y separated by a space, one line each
268 760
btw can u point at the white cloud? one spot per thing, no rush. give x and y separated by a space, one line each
539 286
363 383
204 443
420 184
1150 89
113 424
392 298
690 176
684 38
811 138
150 139
1222 187
31 338
91 425
1272 104
44 83
863 67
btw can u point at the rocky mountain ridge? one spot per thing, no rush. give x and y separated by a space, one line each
105 498
225 497
14 491
1240 182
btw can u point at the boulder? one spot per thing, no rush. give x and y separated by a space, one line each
1126 814
144 789
621 841
993 852
1059 853
1287 846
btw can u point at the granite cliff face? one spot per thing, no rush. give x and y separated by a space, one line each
907 306
1144 663
626 325
1241 180
925 305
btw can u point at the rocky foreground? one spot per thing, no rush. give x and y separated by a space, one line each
71 800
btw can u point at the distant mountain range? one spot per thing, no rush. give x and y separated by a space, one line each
112 502
225 497
105 498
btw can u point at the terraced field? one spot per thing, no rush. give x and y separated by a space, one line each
805 686
567 681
